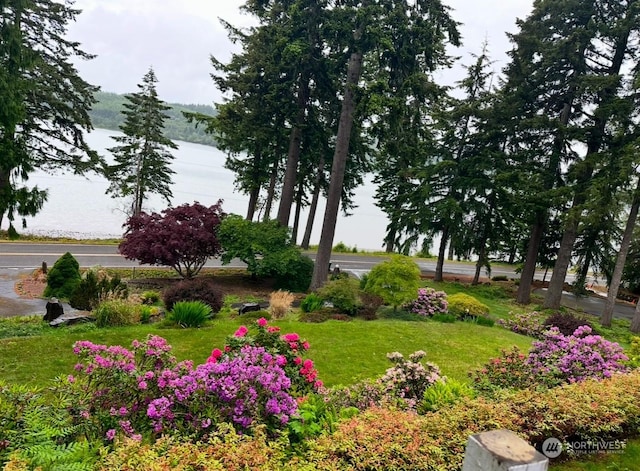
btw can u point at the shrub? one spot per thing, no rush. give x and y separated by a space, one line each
529 323
484 321
97 286
316 317
428 303
63 278
444 318
566 323
395 280
280 303
634 353
343 293
182 238
444 393
500 278
312 302
150 297
189 313
370 305
509 371
407 380
558 358
252 316
116 312
197 289
462 305
294 270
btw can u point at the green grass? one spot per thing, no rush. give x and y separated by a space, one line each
627 461
344 352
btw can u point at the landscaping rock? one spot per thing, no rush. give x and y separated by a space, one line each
71 318
54 310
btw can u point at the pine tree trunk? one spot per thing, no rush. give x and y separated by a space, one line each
293 156
314 206
635 322
441 251
270 192
560 268
529 269
323 257
481 262
616 278
296 217
253 203
451 252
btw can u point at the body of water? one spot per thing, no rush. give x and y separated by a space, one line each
78 206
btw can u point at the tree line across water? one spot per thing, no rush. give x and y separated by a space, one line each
106 113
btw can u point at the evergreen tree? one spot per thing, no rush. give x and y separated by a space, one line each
142 160
43 102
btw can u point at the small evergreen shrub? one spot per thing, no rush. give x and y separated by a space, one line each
634 353
343 293
296 273
428 303
97 286
63 278
566 323
117 312
316 317
189 313
280 303
462 305
370 305
483 321
196 289
500 278
444 318
312 302
444 393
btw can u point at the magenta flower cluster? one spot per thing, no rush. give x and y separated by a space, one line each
559 358
428 303
146 391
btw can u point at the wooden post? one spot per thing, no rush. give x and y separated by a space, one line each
502 450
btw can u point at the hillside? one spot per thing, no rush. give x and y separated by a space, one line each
106 114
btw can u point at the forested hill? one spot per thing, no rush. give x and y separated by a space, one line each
106 114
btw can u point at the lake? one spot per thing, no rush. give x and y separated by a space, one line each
78 206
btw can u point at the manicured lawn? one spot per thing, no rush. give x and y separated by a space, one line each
627 461
344 352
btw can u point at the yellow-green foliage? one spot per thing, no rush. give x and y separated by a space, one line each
117 312
395 280
280 303
383 439
634 353
462 305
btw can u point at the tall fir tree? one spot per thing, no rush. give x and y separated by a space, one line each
142 160
44 103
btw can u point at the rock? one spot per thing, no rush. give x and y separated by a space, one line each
75 317
248 307
54 310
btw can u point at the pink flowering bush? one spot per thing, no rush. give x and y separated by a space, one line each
428 303
562 358
301 371
556 359
530 324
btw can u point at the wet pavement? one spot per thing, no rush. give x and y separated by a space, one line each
11 304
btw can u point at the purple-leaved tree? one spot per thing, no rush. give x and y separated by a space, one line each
182 238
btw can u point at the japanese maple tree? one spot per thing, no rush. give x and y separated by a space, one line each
183 238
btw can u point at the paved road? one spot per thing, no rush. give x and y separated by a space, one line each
15 258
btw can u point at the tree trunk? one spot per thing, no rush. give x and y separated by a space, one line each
635 322
482 260
560 268
451 251
296 217
441 251
271 192
293 156
323 257
253 203
616 278
314 205
529 269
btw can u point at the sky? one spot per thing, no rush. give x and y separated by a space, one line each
177 38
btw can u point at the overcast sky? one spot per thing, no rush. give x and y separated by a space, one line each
177 37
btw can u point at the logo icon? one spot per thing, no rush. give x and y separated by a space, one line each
551 447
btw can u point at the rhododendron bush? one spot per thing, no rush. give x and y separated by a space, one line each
253 381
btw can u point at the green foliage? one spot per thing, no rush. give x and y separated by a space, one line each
312 302
63 278
267 250
38 432
396 280
463 305
22 326
97 286
316 417
444 393
343 293
634 353
142 156
253 316
189 313
445 318
107 114
195 289
150 297
117 312
340 247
